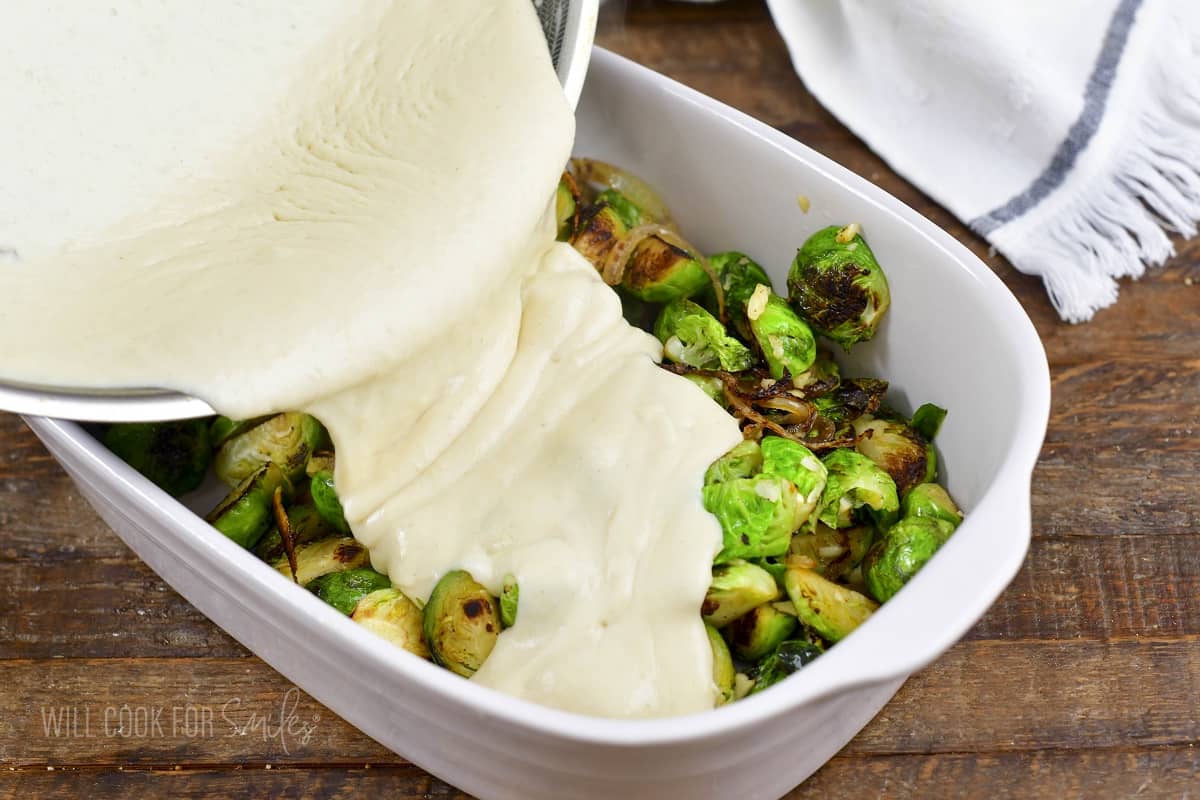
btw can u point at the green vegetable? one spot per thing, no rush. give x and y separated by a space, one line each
510 597
711 386
896 448
899 555
831 552
851 399
659 272
837 285
723 671
172 455
736 588
461 623
788 658
246 512
224 428
325 499
388 613
692 336
856 482
286 440
787 343
335 554
305 525
823 377
566 205
830 609
931 500
743 461
927 420
343 590
597 232
757 515
626 209
759 631
740 275
792 460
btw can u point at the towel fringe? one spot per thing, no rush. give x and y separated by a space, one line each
1119 224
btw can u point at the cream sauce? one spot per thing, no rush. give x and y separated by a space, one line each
340 207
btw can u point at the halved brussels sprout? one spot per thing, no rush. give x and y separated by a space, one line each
851 399
246 512
223 428
173 455
823 377
723 671
831 552
837 285
320 461
931 500
304 524
896 448
735 589
343 590
566 206
792 460
692 336
928 419
597 232
758 632
388 613
660 272
711 386
510 598
740 275
325 499
830 609
786 341
899 555
629 212
789 657
856 482
286 440
461 623
336 554
757 515
743 461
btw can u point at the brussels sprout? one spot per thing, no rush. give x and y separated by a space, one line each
900 554
852 398
723 671
759 631
792 460
246 512
320 461
566 205
856 482
660 272
931 500
597 232
927 420
304 524
173 455
343 590
740 275
788 658
224 428
335 554
757 515
743 461
830 609
786 341
325 499
285 439
896 448
837 285
510 597
461 623
823 377
626 209
388 613
831 552
735 589
713 387
692 336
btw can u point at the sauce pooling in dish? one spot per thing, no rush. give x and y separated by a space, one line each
341 208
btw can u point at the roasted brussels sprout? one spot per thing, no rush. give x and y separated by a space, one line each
711 386
723 671
223 429
172 455
931 500
788 658
659 271
735 589
598 230
343 590
304 524
461 623
837 285
336 554
743 461
787 343
388 613
792 460
325 499
856 482
831 552
286 440
896 448
823 377
739 275
830 609
759 631
626 209
927 420
246 512
692 336
904 549
510 597
851 399
566 207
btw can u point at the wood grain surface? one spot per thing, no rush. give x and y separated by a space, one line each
1082 682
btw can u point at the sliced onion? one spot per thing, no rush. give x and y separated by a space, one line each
640 193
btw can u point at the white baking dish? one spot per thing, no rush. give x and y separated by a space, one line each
955 336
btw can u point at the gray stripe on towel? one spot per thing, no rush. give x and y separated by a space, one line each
1095 99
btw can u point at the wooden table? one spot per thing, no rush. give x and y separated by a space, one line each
1083 681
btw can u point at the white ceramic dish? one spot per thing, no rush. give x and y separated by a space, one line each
955 335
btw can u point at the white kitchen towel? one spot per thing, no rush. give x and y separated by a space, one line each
1067 132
